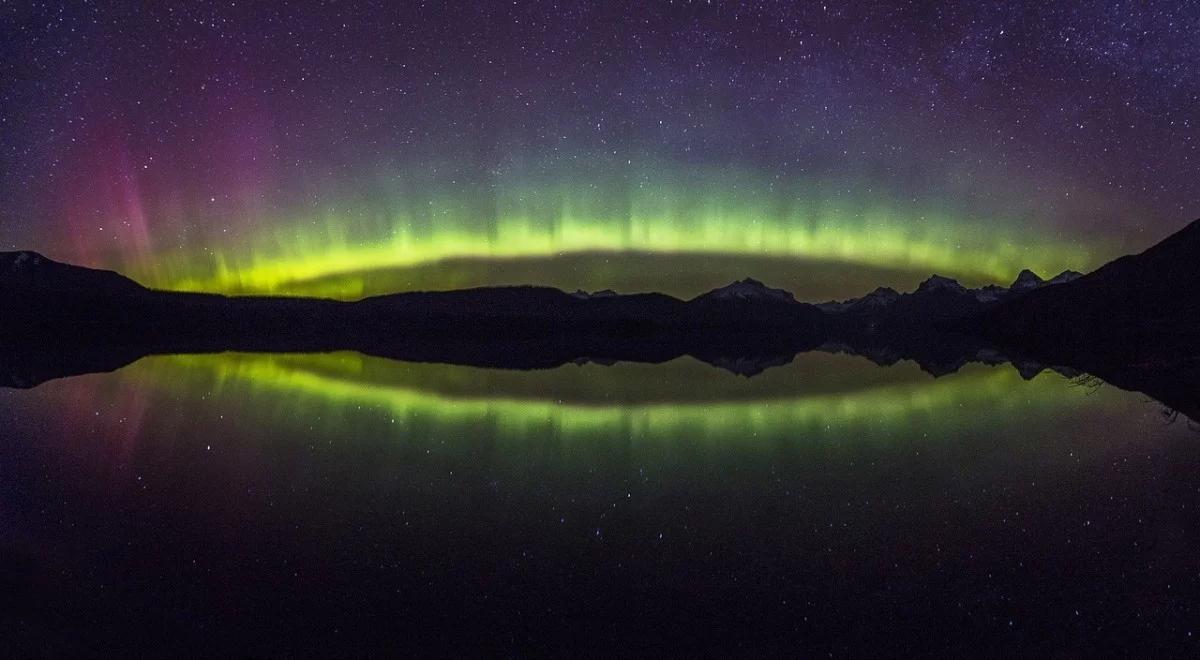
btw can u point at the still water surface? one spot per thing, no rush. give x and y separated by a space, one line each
280 504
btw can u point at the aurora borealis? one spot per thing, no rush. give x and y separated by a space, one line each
350 149
819 395
960 472
742 219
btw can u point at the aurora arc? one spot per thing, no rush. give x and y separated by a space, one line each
332 387
740 215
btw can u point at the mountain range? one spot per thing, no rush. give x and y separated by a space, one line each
1133 318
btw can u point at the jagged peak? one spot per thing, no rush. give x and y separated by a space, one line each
937 282
883 295
990 293
1027 279
880 297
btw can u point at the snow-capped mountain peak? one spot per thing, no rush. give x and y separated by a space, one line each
939 283
880 297
750 289
883 295
584 295
990 293
1064 277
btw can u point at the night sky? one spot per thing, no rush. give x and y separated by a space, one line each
347 148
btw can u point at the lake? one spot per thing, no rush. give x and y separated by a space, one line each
279 504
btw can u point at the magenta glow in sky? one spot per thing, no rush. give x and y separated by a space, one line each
141 137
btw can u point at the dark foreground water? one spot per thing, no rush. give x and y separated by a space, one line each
337 505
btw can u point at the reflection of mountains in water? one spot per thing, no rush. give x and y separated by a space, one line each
937 355
682 381
1134 322
842 374
681 398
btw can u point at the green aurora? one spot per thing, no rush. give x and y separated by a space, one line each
819 395
650 231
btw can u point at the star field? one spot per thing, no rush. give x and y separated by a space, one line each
248 147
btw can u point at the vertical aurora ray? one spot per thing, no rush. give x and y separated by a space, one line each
663 210
270 161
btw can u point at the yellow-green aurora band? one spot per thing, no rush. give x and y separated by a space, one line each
576 402
714 214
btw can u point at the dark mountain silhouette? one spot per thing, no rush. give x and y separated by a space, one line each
1134 322
56 326
1027 280
1065 276
1138 309
27 272
936 302
49 301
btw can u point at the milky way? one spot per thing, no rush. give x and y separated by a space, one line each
246 147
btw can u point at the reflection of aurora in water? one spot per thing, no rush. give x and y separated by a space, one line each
716 213
593 400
